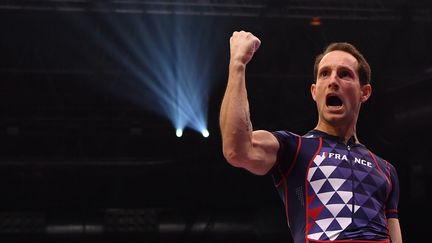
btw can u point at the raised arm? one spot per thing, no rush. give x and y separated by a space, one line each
254 151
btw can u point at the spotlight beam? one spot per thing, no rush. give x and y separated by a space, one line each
169 59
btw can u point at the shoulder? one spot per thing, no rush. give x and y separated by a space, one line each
286 138
377 157
284 134
383 163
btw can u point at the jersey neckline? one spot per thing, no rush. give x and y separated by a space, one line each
314 133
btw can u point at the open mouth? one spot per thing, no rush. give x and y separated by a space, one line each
333 101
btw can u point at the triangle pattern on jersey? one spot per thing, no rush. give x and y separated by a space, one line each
370 212
361 214
324 237
318 175
325 213
346 186
317 184
336 183
360 221
311 172
372 180
345 165
324 223
361 199
318 160
360 190
335 209
356 207
350 201
325 197
345 212
336 199
332 180
350 206
332 235
344 222
326 187
315 236
315 203
360 175
327 169
330 162
369 204
346 196
315 228
340 173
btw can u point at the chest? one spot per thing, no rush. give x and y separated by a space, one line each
346 171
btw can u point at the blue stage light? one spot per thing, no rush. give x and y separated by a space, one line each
205 133
169 63
179 132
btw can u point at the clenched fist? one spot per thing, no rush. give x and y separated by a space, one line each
242 46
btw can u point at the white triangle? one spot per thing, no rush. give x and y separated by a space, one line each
336 183
332 235
335 208
327 169
324 223
315 236
318 159
311 172
325 196
316 185
344 222
356 207
349 206
346 196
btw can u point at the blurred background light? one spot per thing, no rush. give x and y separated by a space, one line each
168 61
179 132
205 133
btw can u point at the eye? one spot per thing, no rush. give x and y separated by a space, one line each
324 73
345 74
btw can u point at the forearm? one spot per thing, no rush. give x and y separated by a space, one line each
235 124
395 230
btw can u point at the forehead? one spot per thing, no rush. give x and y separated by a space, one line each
338 58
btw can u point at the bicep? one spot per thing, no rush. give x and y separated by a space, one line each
263 152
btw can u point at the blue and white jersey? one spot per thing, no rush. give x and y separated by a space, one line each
332 191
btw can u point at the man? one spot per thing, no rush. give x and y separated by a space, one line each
333 187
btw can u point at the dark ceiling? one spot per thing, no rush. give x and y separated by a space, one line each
82 162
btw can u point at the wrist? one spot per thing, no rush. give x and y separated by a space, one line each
236 65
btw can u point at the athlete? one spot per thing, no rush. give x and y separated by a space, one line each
334 188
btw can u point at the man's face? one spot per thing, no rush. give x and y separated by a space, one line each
337 91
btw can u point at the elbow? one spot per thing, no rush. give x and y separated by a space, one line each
233 157
241 160
236 157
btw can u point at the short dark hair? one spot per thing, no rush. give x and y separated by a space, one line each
363 70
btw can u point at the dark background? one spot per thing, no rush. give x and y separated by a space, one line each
80 164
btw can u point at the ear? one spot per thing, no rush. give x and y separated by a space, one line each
366 91
313 91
